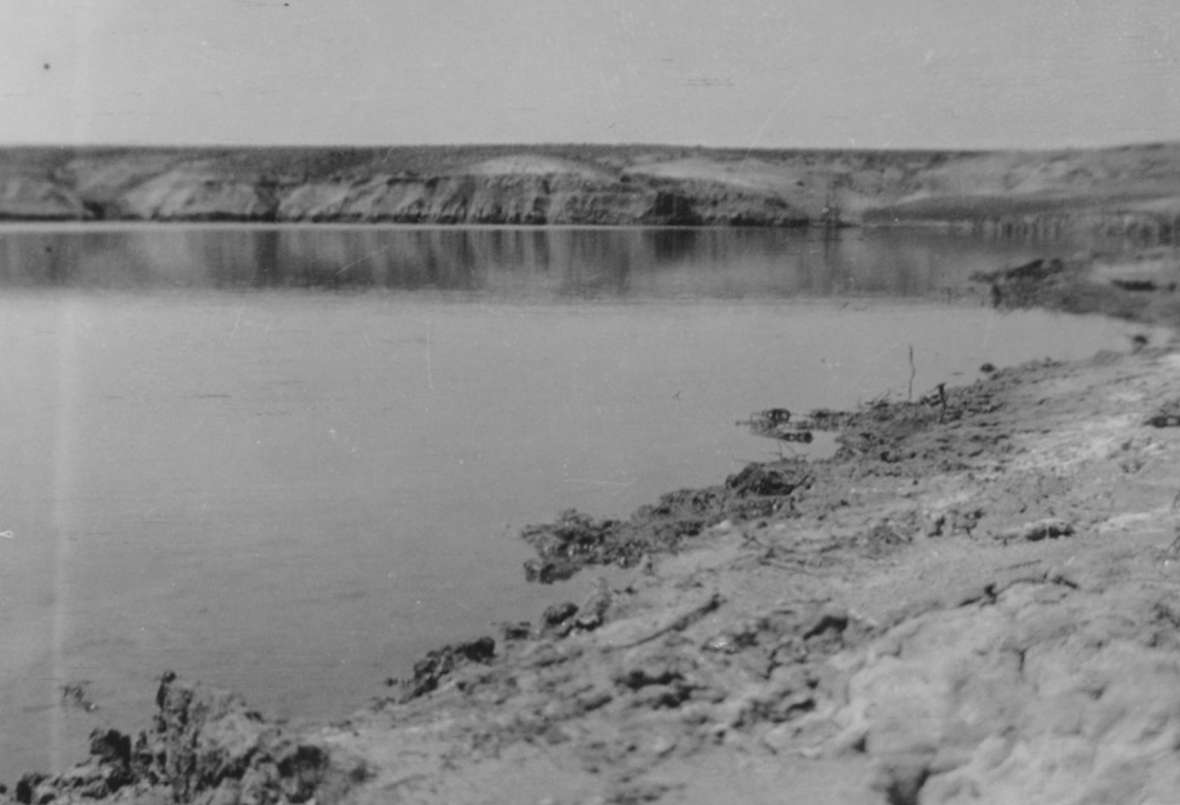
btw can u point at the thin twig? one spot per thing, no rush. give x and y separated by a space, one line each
913 372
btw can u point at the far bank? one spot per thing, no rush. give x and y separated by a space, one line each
1129 191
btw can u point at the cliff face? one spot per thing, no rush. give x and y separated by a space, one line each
466 198
484 199
23 197
195 196
1133 189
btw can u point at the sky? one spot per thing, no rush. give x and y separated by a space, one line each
734 73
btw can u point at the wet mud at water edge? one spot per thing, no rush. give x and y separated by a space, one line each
973 600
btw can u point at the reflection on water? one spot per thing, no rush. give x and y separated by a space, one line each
544 262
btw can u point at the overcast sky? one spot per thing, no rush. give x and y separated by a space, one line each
828 73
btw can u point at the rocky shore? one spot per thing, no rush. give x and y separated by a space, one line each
976 600
1131 190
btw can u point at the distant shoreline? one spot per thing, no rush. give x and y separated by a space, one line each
1124 191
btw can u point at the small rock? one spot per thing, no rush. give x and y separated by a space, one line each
27 785
763 480
110 746
1164 421
1167 416
935 525
547 571
554 618
440 663
514 632
722 644
881 539
1048 528
779 739
592 613
965 521
661 745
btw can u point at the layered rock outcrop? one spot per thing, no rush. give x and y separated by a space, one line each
38 199
1112 191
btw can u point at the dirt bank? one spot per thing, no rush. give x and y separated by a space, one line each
976 600
1114 191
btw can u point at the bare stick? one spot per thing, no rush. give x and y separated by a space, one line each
913 372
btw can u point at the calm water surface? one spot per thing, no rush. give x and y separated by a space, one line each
288 461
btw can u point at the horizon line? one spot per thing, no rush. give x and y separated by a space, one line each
131 145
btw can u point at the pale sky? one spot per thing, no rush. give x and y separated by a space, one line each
740 73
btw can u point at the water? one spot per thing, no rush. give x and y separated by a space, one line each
289 461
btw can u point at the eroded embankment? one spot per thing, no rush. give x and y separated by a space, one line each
1130 190
977 600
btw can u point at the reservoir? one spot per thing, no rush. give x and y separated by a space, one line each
290 460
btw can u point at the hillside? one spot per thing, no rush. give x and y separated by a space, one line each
1126 190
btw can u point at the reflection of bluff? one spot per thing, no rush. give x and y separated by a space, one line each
505 262
1122 190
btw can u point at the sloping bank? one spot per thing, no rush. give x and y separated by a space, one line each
977 600
1131 190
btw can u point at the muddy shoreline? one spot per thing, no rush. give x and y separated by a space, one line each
975 600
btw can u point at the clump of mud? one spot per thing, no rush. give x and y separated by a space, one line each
437 665
571 541
576 540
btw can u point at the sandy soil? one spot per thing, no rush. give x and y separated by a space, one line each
977 600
